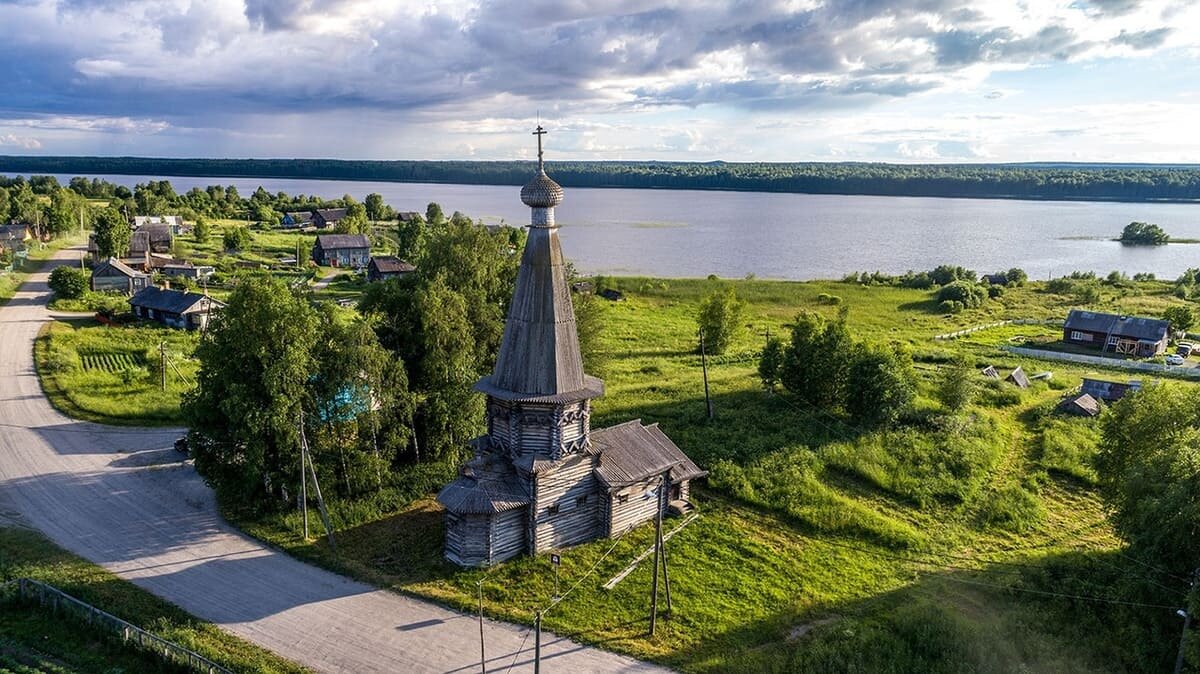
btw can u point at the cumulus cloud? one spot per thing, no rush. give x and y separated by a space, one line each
24 142
183 63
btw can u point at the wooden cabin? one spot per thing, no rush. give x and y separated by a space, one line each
540 478
384 267
112 275
1124 335
342 250
174 308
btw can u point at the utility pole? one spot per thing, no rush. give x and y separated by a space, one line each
162 364
1187 625
482 653
662 544
303 479
537 643
704 367
662 486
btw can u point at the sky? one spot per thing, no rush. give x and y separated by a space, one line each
784 80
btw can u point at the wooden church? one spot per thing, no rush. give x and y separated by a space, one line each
541 478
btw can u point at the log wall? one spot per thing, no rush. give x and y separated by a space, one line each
571 489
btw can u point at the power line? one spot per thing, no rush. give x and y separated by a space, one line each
1079 597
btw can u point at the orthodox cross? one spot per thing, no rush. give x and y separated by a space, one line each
539 133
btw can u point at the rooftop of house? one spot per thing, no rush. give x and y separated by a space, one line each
390 264
1153 329
632 452
114 264
331 214
170 301
336 241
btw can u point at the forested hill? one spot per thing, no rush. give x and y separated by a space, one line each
1091 182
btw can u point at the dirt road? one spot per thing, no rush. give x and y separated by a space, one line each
121 498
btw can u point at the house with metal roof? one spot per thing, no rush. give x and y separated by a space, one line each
296 220
1122 335
342 250
384 267
1108 391
324 218
174 308
112 275
540 478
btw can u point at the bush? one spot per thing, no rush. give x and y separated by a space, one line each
720 320
968 293
1143 234
826 298
995 291
69 282
236 238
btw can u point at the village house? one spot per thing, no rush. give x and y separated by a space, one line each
324 218
112 275
408 216
384 267
137 255
174 223
540 478
1124 335
14 236
342 250
296 220
174 308
184 269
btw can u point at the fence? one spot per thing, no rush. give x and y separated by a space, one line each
1083 359
47 595
997 324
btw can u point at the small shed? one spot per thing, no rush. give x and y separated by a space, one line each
1018 377
408 216
383 267
174 308
342 250
1081 405
995 279
114 275
991 372
184 269
1109 391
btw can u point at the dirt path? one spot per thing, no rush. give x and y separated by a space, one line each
120 498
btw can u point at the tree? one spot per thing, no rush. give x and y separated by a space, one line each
433 213
113 233
267 217
1143 234
881 386
816 363
69 282
202 230
1150 475
1016 276
956 385
1181 317
411 236
353 224
963 294
770 363
68 212
720 320
236 238
255 367
376 210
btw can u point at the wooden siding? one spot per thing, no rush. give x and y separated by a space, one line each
562 487
467 539
508 534
638 507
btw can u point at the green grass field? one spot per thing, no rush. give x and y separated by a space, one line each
821 546
112 374
34 640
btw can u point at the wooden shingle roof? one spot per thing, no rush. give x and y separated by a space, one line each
539 354
171 301
487 484
631 453
339 241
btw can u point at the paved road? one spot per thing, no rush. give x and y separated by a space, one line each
121 498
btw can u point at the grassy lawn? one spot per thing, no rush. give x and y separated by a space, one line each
822 546
112 374
33 638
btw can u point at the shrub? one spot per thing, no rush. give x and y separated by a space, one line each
1016 276
236 238
968 293
995 291
720 320
826 298
951 306
69 282
1143 234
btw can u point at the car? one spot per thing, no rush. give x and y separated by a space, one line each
181 445
1184 350
1174 359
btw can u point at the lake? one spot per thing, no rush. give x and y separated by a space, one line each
688 233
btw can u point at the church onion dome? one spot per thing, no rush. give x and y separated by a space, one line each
542 192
